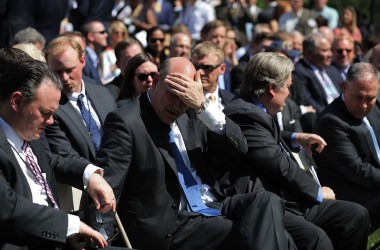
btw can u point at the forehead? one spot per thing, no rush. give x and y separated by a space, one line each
364 84
157 33
209 57
344 43
66 56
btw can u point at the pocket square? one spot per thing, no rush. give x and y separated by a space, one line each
292 121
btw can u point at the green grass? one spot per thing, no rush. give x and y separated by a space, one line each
373 239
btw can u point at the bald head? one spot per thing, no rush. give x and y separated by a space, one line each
172 92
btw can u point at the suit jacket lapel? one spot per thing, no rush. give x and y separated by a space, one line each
158 131
96 99
66 107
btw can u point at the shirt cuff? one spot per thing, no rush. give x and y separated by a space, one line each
320 195
295 145
73 225
214 118
90 170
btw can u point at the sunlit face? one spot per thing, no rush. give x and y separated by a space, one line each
181 46
322 57
156 41
127 54
297 43
168 106
99 34
343 53
209 77
142 85
279 97
69 68
33 117
217 36
360 96
117 35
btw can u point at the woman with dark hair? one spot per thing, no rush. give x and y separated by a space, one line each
155 38
138 77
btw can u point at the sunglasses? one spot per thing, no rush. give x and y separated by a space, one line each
144 76
154 40
206 68
340 51
102 231
100 32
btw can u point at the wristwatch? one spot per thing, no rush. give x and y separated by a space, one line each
203 106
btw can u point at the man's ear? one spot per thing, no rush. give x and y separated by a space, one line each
222 68
272 90
16 100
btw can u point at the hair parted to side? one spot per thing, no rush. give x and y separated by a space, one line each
204 49
360 71
26 77
263 69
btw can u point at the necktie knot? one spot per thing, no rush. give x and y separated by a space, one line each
212 98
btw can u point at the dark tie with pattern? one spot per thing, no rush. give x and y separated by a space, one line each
188 183
90 122
35 169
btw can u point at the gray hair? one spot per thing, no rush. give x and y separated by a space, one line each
26 77
29 35
263 69
363 70
311 42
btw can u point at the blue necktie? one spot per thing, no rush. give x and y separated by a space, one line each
189 185
375 142
90 122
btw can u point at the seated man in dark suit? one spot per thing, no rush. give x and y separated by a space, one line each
313 218
29 215
78 126
351 162
320 82
158 150
209 58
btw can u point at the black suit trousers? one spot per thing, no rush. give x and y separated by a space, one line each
324 226
249 221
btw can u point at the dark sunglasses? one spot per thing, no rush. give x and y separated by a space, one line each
102 231
340 51
206 68
100 32
144 76
154 40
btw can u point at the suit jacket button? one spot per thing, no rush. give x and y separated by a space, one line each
174 206
169 234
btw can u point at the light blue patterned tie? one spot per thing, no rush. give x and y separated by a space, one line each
188 183
90 122
375 142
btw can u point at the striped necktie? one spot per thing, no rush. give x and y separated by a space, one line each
35 169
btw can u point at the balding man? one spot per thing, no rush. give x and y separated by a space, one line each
180 45
350 164
157 158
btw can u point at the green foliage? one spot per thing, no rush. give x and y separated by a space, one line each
373 239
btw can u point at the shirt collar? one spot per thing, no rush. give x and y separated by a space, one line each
13 138
73 96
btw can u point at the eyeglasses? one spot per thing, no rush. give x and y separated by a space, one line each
340 51
206 68
144 76
100 32
154 40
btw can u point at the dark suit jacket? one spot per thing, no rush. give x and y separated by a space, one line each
166 16
43 15
115 85
278 171
134 154
68 135
226 96
311 89
90 71
349 164
374 117
22 222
